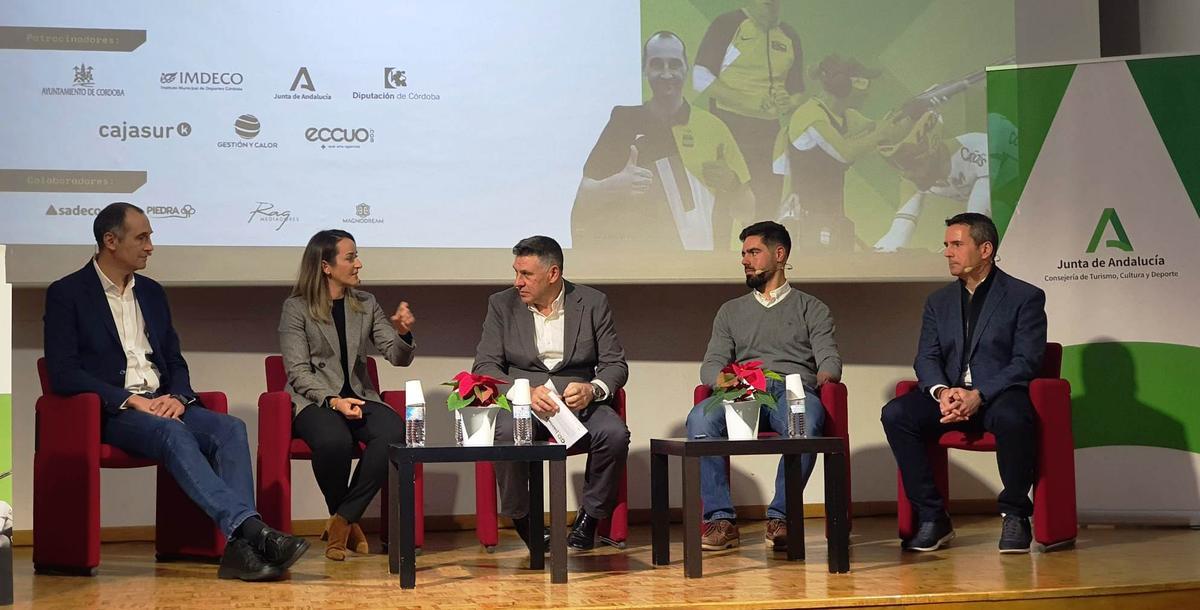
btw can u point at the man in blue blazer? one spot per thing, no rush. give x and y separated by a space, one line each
108 331
982 341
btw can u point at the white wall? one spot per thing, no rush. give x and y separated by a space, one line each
1169 26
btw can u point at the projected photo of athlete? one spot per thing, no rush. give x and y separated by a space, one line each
664 175
750 73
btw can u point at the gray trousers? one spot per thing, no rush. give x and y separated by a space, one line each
607 447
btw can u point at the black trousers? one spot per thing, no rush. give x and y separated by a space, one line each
911 424
333 439
756 139
607 446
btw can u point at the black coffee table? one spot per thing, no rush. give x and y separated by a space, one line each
690 452
401 536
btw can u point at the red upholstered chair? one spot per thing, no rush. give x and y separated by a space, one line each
1054 518
277 449
67 459
613 530
834 397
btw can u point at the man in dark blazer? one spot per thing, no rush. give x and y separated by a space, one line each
545 327
108 331
982 341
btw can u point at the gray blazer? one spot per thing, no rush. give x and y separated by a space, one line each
313 359
591 350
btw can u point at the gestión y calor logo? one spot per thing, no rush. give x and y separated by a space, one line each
125 131
83 83
247 128
303 88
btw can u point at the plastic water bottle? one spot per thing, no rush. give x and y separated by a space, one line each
414 414
458 428
522 412
794 390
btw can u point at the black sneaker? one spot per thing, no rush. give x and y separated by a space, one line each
1015 535
931 535
242 562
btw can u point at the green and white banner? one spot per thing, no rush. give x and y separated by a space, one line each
1105 216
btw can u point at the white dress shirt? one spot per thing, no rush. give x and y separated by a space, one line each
548 332
772 297
140 374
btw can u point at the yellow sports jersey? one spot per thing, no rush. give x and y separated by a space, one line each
753 63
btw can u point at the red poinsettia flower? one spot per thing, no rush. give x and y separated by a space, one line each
742 381
468 382
751 373
475 391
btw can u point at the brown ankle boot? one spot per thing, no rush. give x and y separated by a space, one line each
339 532
358 540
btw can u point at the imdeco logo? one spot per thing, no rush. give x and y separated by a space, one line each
83 83
201 81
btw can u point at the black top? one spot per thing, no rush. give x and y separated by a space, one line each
972 304
339 321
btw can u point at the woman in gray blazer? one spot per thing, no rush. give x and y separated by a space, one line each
325 325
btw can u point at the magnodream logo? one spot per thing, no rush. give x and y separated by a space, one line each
303 88
125 132
1115 261
84 84
184 80
362 215
395 88
247 127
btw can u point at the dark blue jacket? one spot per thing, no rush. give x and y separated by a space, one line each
1006 346
83 349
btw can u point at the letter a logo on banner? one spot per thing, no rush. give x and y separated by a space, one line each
1107 217
303 80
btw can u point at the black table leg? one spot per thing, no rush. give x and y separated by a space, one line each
837 515
405 523
692 566
393 514
660 498
558 521
537 517
793 481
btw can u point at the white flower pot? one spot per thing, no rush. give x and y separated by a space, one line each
741 419
479 426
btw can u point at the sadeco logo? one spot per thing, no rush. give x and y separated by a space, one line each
1109 217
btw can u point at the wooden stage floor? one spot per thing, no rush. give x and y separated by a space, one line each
1108 568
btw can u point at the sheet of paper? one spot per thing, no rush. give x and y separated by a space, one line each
563 425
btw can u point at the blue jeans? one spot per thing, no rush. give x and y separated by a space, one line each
714 482
206 452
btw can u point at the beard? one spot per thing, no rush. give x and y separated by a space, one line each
757 280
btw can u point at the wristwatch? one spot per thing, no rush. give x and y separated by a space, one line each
598 392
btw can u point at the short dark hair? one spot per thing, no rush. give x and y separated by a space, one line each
772 233
545 248
112 220
663 34
982 228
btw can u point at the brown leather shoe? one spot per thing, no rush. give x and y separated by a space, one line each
719 534
777 534
358 540
339 533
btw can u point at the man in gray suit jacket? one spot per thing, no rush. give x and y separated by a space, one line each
545 327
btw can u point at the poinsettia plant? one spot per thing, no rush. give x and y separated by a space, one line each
739 382
475 391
